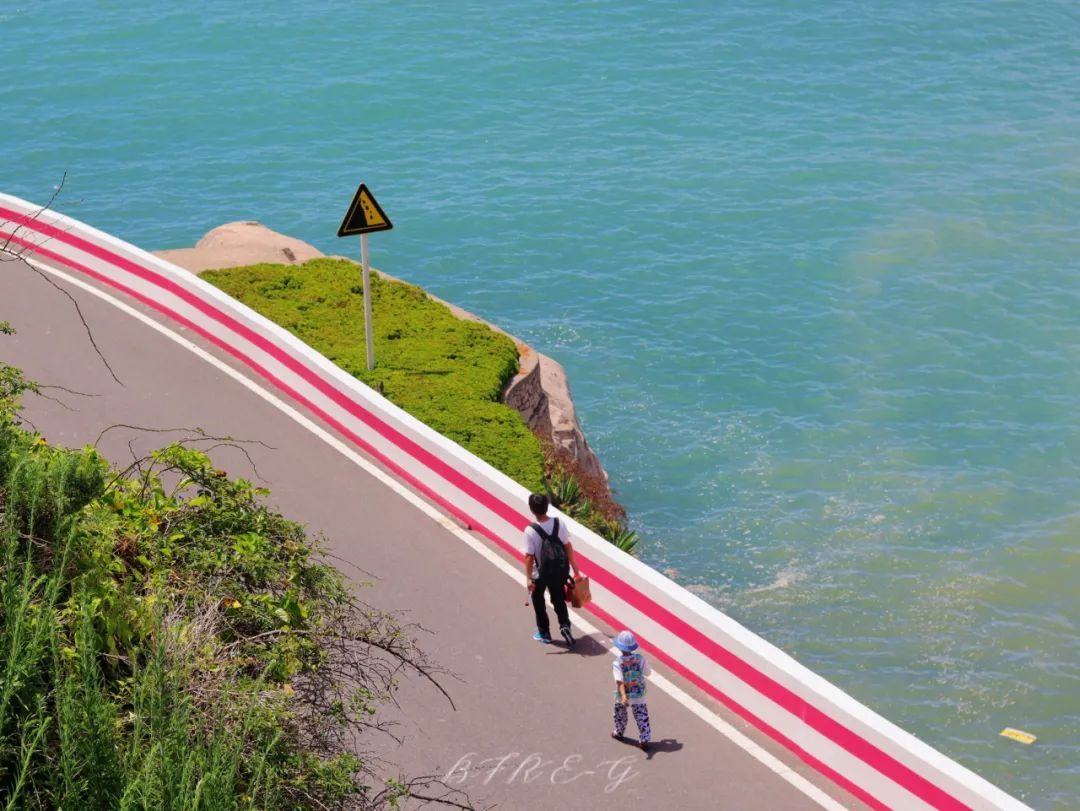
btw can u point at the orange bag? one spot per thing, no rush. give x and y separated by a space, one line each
578 592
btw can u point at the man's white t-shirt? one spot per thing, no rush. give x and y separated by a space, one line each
533 542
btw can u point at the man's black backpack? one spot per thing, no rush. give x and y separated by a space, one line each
552 562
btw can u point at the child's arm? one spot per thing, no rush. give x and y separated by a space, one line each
622 692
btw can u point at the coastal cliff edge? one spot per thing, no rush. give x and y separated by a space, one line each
540 391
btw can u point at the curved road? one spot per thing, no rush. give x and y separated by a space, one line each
530 727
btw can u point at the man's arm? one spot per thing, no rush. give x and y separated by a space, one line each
572 557
528 572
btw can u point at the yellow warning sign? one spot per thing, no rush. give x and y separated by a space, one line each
364 216
1018 735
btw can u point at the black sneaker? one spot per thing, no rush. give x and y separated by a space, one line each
569 637
644 746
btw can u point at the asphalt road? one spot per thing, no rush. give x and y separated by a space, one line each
530 723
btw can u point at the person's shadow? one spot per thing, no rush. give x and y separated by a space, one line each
662 745
583 646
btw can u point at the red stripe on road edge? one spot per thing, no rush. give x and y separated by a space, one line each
747 715
410 447
263 372
795 704
785 698
782 696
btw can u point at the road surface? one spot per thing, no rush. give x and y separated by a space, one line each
530 723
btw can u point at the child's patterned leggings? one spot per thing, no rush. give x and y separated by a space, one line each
641 717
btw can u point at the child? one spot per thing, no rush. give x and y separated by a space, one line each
630 670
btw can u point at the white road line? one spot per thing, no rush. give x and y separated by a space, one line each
771 762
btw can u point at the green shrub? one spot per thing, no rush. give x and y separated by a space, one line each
587 499
446 371
180 647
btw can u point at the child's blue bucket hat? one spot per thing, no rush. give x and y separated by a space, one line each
625 642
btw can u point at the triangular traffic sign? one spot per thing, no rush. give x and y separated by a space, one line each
364 215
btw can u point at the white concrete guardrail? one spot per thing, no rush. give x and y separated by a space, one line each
875 760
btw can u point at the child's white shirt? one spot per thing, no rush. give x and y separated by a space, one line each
631 669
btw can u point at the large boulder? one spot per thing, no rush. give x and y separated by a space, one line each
241 243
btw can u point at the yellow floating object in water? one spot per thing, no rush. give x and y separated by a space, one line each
1018 735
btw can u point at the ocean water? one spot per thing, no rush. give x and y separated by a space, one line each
812 268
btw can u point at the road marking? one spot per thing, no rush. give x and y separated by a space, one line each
770 761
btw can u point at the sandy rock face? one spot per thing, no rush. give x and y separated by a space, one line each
241 243
540 392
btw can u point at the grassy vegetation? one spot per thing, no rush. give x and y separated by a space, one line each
588 500
176 646
445 371
168 642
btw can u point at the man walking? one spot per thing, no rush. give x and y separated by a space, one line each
549 557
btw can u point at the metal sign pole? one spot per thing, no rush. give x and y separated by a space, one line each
363 217
367 305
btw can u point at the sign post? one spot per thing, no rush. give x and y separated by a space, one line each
369 340
365 216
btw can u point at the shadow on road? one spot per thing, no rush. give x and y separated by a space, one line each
585 646
663 745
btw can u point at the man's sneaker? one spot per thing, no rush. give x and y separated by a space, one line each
569 637
539 637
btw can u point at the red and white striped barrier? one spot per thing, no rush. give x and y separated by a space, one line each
867 755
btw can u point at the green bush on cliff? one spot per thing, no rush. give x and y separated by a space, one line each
168 642
445 371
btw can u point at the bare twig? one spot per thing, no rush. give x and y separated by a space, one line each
39 387
199 432
66 390
56 400
6 248
451 797
79 312
23 418
200 436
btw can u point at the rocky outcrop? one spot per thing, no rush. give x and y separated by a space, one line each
540 391
241 243
541 394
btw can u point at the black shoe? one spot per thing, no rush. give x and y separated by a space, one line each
569 637
616 736
644 746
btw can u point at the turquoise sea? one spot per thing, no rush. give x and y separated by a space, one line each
813 268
